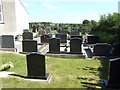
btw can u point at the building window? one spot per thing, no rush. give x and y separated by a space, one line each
1 13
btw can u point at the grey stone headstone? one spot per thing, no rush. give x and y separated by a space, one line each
75 45
29 46
102 49
54 45
7 41
91 39
63 37
42 32
114 73
45 38
74 33
36 66
27 35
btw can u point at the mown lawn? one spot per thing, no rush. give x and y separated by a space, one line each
66 73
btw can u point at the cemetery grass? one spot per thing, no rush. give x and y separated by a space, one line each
66 73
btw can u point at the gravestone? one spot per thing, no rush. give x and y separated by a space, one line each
116 50
42 32
63 31
63 37
45 38
36 67
54 45
34 28
75 45
7 43
25 30
48 30
114 73
27 35
91 39
29 46
76 37
74 33
102 49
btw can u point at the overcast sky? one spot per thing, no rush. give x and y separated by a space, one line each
69 11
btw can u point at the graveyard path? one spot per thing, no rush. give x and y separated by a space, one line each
44 49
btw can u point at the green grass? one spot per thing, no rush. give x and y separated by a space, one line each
66 73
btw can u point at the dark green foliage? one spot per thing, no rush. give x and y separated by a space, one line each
108 28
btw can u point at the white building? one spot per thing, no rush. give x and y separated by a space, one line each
13 17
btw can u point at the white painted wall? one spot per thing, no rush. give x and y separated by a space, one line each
15 18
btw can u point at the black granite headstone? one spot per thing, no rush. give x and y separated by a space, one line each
54 45
45 38
91 39
116 50
75 45
29 46
102 49
36 66
63 37
114 73
27 35
7 41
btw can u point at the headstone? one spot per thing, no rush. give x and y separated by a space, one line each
102 49
75 45
27 35
29 46
63 31
116 50
114 73
54 45
45 38
91 39
25 30
36 66
74 33
48 30
63 37
7 41
76 37
42 32
34 29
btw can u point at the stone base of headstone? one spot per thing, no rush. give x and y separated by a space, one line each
8 49
47 80
25 53
66 55
38 77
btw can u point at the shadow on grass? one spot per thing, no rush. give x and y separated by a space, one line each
17 75
103 75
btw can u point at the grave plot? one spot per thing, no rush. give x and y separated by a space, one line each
72 51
